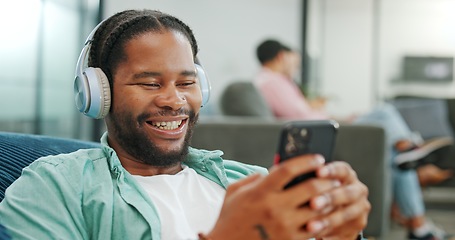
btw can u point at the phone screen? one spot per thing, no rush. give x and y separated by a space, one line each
306 137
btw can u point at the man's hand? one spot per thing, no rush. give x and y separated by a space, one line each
349 203
258 207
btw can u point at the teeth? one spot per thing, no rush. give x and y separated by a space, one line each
167 125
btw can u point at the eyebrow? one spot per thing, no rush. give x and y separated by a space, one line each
157 74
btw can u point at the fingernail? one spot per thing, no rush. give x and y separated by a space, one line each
336 183
320 202
316 226
320 159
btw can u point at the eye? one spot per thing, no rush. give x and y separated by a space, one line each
150 85
187 83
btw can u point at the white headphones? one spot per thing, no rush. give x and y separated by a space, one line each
91 86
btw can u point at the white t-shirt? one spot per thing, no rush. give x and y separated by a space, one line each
187 202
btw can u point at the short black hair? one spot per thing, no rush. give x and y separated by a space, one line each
269 49
107 49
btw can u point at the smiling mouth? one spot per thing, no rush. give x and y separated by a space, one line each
171 125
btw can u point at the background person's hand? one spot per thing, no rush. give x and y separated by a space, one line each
318 103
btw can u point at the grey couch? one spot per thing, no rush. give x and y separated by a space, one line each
249 140
248 132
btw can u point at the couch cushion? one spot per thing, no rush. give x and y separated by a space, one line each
242 99
427 116
18 150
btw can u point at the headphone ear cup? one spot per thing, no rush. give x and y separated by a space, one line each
106 93
81 93
99 93
204 84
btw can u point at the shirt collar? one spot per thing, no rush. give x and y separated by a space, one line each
196 158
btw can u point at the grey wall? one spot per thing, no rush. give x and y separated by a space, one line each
356 46
359 44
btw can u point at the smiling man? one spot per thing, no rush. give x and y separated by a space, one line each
147 183
156 103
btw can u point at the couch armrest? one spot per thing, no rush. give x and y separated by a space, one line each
363 147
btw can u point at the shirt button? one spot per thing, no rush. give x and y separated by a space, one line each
204 169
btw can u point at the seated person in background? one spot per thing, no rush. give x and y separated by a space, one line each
275 82
147 183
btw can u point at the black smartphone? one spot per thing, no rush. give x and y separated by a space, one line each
306 137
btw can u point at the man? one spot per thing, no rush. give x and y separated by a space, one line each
275 82
147 183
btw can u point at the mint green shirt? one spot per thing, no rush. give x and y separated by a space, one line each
88 194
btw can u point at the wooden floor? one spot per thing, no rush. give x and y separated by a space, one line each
440 204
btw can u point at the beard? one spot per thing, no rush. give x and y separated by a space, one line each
134 140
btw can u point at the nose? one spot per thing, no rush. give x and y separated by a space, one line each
170 98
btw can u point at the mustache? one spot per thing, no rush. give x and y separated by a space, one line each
163 113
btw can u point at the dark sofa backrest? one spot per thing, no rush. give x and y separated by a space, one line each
18 150
428 116
241 98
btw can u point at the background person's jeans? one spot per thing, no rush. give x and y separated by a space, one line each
405 183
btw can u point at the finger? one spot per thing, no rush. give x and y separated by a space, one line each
284 172
349 230
343 195
357 212
356 227
340 170
296 221
303 192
